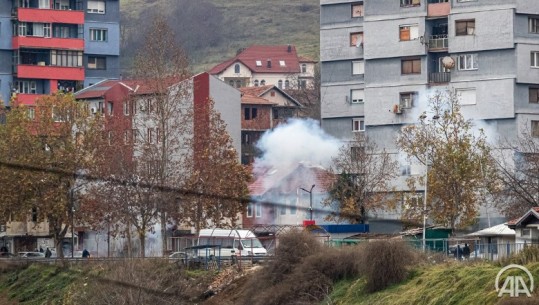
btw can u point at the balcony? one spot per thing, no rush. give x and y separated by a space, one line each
50 16
50 72
439 77
438 42
27 99
438 8
48 43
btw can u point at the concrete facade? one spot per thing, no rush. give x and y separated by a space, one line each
34 35
491 43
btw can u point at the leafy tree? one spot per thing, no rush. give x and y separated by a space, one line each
216 175
308 96
459 160
363 182
51 150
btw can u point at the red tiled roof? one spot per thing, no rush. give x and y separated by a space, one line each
96 90
257 91
275 54
513 222
292 180
252 99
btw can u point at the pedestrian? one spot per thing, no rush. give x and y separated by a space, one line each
48 253
458 252
466 252
40 249
85 254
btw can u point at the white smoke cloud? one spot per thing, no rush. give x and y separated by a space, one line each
297 141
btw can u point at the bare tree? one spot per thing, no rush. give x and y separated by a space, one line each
362 184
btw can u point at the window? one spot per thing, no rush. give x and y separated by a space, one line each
110 108
303 68
534 95
256 82
282 63
465 27
535 129
31 114
533 25
98 34
466 96
149 135
303 84
250 113
237 68
358 125
259 63
467 62
61 4
534 56
126 137
356 39
411 66
258 210
286 84
46 30
280 84
357 10
408 32
358 67
22 29
238 83
97 63
28 87
262 83
283 208
525 232
126 108
406 3
134 134
407 99
44 4
96 6
357 96
405 169
250 210
65 58
157 135
356 152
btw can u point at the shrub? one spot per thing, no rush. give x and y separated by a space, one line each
529 254
519 301
386 263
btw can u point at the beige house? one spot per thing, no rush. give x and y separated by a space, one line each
258 65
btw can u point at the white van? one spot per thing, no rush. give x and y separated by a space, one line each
232 242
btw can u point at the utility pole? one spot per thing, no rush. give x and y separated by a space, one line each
310 200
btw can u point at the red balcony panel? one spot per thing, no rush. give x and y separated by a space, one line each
48 43
50 16
438 9
50 72
27 99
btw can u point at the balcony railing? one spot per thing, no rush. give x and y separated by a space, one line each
438 42
437 1
439 77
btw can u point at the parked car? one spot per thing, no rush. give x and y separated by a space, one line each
31 255
7 255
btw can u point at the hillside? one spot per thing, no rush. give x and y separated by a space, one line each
231 25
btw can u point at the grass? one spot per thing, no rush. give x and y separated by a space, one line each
38 284
251 22
447 284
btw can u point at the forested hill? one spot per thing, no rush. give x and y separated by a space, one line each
213 30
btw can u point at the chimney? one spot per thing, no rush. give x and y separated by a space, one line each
289 49
269 63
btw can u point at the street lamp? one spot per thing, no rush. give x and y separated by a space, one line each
435 117
310 200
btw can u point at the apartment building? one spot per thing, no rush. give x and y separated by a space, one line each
50 45
380 59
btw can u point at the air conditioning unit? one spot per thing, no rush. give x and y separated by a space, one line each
397 109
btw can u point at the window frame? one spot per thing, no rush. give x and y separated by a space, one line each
303 68
534 59
467 27
99 34
358 67
535 91
533 25
98 7
95 63
237 68
408 28
412 61
410 3
464 59
407 99
360 125
354 39
357 101
357 10
534 130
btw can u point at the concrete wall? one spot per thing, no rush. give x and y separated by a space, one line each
526 73
339 71
335 43
93 76
109 47
336 101
228 103
388 44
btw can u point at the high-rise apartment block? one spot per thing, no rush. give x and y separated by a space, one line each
50 45
380 59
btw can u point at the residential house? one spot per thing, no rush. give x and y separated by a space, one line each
263 108
56 45
261 65
526 227
495 242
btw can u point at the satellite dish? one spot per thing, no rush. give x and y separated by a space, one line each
448 62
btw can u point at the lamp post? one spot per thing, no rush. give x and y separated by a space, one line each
435 117
310 200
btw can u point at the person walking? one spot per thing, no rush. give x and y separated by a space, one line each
466 252
48 253
85 254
